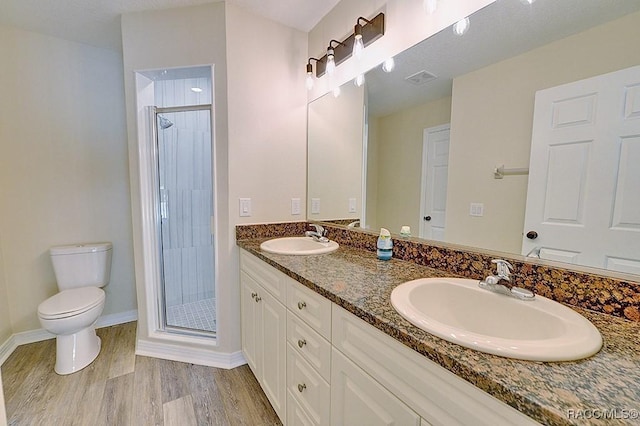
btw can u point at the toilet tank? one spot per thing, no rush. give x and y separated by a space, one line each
82 265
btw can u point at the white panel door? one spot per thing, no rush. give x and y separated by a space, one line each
435 166
583 200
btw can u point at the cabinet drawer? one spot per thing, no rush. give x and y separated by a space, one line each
267 276
310 390
437 395
314 309
313 347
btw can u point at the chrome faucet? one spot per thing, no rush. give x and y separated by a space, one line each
501 282
319 234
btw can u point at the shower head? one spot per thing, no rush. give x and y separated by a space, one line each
164 123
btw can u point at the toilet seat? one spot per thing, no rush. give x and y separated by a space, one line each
71 302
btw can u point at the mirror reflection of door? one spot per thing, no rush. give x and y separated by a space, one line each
582 198
435 164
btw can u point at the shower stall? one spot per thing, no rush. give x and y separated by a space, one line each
180 207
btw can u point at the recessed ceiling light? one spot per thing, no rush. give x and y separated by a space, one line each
196 89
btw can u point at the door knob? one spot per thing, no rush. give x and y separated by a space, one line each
427 218
532 235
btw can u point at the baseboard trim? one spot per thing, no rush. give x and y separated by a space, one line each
207 357
38 335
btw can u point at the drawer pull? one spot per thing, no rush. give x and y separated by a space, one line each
302 342
258 298
253 294
302 305
301 387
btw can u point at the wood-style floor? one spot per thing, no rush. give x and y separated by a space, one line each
120 389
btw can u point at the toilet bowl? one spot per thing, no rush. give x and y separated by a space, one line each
71 314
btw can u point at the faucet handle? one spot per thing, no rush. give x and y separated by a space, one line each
504 268
319 229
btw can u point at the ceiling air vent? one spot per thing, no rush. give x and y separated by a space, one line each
421 77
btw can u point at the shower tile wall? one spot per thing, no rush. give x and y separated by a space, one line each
186 200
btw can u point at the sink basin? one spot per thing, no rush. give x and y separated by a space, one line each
298 246
457 310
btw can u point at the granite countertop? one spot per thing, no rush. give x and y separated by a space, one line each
560 393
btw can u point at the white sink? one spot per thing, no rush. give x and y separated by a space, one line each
457 310
298 246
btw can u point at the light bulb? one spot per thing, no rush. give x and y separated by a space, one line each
430 6
309 81
461 27
331 64
388 65
359 80
358 46
336 91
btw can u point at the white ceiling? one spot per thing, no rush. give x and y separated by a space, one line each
97 22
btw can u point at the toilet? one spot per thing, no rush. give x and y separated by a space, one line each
81 271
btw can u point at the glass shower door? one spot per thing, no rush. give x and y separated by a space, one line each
186 211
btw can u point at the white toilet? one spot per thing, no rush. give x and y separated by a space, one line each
81 270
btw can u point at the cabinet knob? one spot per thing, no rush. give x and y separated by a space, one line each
253 294
301 387
302 342
258 298
301 305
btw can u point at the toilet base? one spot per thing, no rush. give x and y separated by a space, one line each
75 351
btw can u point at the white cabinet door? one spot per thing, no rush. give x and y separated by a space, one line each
584 179
264 339
249 322
357 399
273 333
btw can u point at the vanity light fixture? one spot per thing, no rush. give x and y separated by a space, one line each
309 80
430 6
388 65
461 27
339 51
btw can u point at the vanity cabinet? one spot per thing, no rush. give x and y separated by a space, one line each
321 365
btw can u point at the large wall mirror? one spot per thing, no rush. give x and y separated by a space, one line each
548 93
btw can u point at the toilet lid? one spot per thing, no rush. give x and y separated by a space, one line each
72 302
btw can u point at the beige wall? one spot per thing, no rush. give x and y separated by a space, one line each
63 166
406 24
491 122
335 153
399 150
5 319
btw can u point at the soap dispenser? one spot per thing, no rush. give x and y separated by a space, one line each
385 245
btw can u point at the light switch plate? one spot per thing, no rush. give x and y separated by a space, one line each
476 209
295 206
245 207
352 205
315 206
